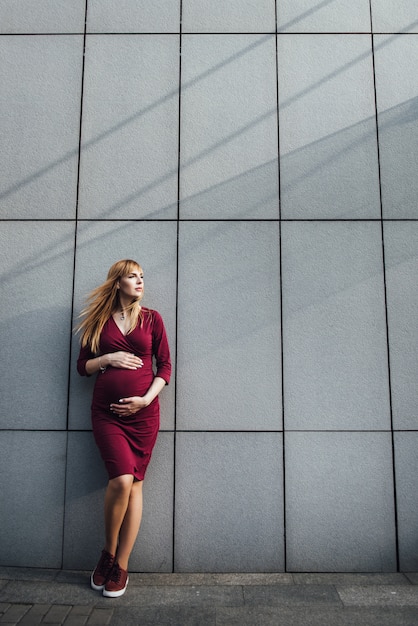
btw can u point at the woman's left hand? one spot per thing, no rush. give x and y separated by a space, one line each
128 406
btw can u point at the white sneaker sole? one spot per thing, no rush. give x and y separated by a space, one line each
95 587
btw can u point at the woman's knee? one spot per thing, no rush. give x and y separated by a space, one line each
121 485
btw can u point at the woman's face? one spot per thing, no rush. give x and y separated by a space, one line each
132 285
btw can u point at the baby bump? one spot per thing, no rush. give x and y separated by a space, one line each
115 383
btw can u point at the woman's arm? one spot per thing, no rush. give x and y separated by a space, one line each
157 385
161 348
129 406
123 360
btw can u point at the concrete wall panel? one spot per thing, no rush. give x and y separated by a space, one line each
229 366
401 254
228 142
39 125
51 16
328 147
32 471
129 149
390 16
339 502
35 292
229 516
406 466
397 107
309 16
236 16
334 331
133 16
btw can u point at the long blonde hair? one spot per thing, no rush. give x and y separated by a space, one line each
103 302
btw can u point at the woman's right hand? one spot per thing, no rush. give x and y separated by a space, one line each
124 360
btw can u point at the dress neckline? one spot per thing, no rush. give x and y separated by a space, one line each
117 326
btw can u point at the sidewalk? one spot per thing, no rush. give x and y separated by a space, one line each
56 597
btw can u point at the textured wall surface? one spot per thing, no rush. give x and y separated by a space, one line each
259 159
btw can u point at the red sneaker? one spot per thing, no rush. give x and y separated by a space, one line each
116 583
102 572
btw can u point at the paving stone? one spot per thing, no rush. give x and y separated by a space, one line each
57 614
100 617
75 620
81 610
14 613
379 595
291 595
35 615
78 616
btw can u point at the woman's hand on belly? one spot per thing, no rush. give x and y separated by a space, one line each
124 360
128 406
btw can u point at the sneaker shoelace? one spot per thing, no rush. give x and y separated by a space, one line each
115 574
105 564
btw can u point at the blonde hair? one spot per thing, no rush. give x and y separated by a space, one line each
103 302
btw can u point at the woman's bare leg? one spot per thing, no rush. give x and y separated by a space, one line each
130 525
116 504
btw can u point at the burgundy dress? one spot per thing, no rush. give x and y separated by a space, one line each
126 444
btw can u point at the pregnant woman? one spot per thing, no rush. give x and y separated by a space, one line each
119 339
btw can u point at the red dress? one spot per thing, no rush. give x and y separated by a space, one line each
126 444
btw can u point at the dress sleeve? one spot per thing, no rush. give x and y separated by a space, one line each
85 355
160 348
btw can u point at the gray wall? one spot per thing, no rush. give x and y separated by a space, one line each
267 182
